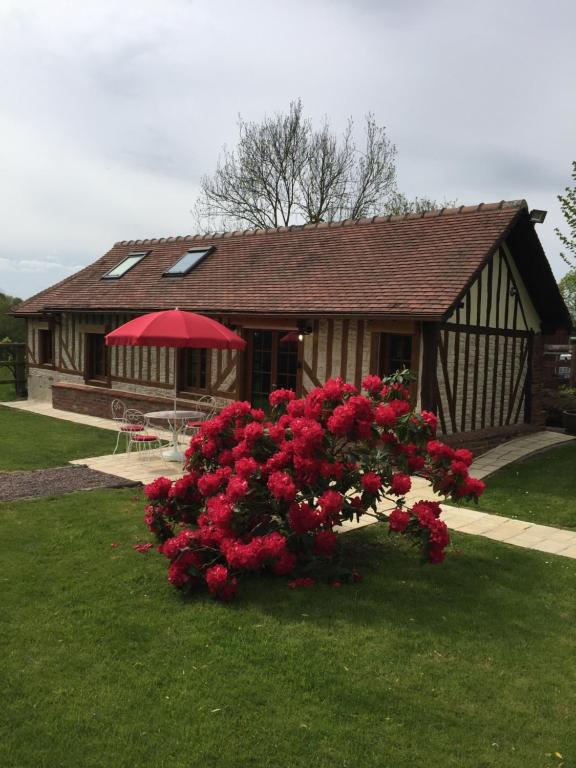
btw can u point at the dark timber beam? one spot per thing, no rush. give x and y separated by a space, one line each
428 388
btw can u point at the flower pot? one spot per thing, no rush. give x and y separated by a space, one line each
569 418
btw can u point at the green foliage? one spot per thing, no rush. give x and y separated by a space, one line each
568 207
465 666
11 328
567 287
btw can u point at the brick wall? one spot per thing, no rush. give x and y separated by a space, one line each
96 401
481 440
538 416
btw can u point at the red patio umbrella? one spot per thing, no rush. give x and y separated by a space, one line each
175 328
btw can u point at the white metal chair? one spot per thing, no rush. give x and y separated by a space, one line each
208 405
139 434
124 426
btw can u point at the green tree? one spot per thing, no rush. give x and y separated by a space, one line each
568 208
11 328
567 287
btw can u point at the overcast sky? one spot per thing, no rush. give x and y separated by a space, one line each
110 112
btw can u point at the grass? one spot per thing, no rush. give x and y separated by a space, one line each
7 390
31 441
539 489
468 664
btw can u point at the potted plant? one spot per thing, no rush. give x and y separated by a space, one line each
569 412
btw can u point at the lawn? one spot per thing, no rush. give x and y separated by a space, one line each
7 390
30 441
467 664
539 489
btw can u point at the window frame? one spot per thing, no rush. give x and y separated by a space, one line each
89 376
183 387
44 333
205 253
109 276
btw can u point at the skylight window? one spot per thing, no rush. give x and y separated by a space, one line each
125 265
187 262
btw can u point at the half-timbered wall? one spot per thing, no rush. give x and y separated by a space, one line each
335 348
483 368
147 370
223 373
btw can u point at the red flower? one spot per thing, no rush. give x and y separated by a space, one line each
331 503
253 432
303 518
341 423
143 548
399 520
462 454
400 484
324 543
281 397
426 509
471 487
237 488
216 577
282 486
431 421
371 482
158 489
246 467
385 415
305 582
439 450
372 384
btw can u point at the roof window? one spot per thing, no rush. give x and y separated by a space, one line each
125 265
187 262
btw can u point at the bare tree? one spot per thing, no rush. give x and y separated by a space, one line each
401 205
283 172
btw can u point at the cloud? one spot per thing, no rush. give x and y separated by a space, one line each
111 112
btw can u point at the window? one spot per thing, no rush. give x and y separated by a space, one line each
395 353
96 357
194 363
190 259
125 265
45 347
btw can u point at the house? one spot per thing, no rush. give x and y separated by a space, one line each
464 297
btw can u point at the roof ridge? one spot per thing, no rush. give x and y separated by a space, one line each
433 212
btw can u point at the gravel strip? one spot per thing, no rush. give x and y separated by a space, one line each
57 481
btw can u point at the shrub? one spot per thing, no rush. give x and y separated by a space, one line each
265 492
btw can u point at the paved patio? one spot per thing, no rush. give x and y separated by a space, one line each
145 467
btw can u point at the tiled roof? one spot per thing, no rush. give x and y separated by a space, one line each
387 265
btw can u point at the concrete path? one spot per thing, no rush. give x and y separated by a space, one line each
145 467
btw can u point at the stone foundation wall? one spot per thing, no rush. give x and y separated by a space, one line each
41 381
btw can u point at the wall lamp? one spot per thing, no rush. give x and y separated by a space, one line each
304 329
537 216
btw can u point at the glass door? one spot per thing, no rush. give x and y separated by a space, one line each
273 364
261 373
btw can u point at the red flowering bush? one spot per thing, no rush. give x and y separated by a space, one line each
265 493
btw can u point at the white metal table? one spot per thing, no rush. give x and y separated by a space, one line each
175 421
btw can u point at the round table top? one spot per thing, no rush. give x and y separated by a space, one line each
178 415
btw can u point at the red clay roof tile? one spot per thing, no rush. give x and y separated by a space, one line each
403 265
